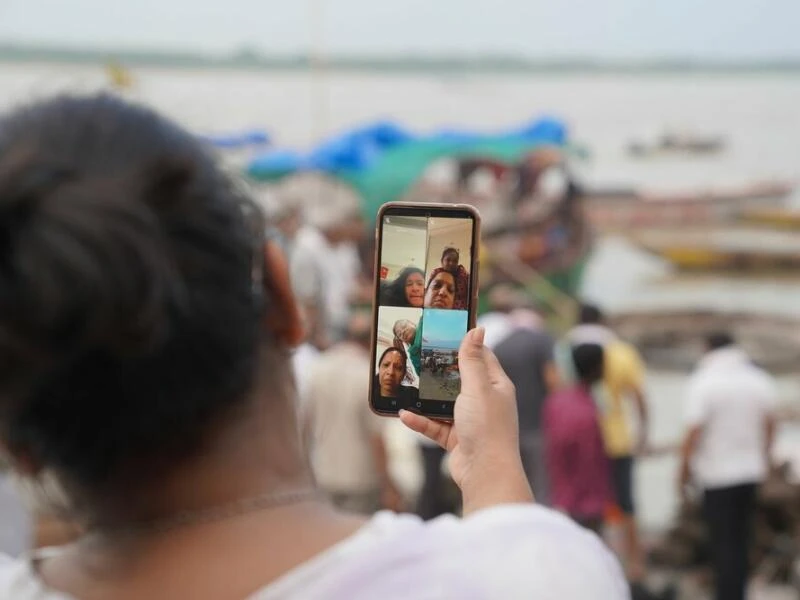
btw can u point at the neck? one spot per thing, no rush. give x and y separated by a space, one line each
254 453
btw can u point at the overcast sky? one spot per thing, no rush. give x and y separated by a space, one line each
596 28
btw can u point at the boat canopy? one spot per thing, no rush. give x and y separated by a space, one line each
382 160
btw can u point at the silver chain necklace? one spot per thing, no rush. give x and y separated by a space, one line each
215 513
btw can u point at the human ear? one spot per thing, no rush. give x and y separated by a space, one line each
283 317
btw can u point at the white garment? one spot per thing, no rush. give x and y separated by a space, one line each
412 378
303 359
730 398
16 524
324 275
590 334
506 552
341 421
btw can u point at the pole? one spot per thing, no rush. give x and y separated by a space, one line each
317 62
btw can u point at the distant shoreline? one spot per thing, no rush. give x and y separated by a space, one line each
410 64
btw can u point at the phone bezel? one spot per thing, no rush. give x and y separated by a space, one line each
435 409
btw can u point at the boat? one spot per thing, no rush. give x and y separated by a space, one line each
674 339
677 143
384 162
614 210
544 255
777 218
732 250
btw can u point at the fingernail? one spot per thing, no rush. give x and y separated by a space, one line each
477 336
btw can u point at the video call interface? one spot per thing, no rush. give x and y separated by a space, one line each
423 306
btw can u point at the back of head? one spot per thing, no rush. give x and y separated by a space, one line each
588 360
589 314
718 340
129 318
333 211
504 298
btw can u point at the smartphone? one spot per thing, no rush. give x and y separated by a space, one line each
425 301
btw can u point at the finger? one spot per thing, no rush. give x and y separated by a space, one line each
433 430
472 361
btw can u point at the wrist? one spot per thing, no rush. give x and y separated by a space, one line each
501 480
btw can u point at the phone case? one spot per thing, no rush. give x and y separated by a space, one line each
474 276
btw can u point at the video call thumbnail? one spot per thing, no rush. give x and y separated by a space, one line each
442 332
398 352
424 301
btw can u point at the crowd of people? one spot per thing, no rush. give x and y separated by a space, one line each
578 442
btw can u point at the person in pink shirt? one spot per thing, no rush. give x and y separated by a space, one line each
575 456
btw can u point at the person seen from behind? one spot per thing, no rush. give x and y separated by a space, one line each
147 322
726 454
622 385
577 465
348 452
526 355
326 267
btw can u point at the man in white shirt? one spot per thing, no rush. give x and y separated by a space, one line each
730 428
325 267
348 451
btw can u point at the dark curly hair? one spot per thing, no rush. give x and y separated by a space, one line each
393 293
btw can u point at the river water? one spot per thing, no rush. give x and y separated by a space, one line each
757 114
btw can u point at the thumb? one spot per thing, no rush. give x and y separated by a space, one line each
472 361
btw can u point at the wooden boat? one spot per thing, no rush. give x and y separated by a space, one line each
540 243
621 210
774 218
674 340
737 250
670 144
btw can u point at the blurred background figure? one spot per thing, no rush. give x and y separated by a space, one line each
727 451
577 463
526 355
325 267
622 383
348 449
436 496
285 213
502 301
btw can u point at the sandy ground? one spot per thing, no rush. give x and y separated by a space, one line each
438 387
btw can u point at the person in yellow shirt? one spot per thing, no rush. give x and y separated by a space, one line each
623 383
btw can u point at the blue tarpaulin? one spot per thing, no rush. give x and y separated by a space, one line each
359 149
242 139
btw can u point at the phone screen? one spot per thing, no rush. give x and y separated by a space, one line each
424 301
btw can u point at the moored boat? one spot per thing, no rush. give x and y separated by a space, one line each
616 210
774 218
731 250
674 339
